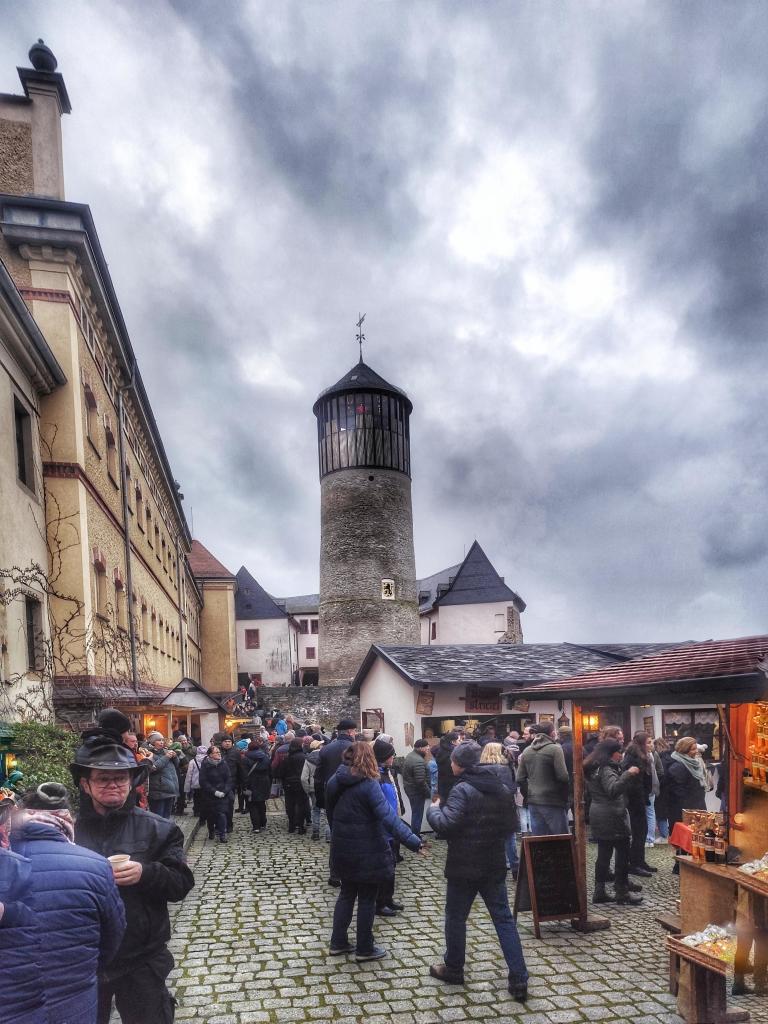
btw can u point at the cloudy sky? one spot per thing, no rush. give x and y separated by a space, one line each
555 218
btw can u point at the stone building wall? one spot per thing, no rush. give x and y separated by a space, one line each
323 704
366 537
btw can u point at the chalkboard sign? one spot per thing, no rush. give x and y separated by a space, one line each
546 880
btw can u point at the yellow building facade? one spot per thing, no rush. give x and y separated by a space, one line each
127 614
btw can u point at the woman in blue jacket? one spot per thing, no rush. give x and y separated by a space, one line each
78 911
362 822
23 991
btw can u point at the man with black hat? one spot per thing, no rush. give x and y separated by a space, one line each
329 761
154 874
476 819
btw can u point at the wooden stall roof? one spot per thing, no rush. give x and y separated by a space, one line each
725 671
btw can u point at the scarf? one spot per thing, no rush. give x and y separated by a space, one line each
60 818
694 765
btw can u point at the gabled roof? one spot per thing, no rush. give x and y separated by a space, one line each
513 665
428 586
185 685
362 378
304 604
474 581
735 666
205 566
252 601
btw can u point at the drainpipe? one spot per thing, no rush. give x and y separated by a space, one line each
126 524
182 632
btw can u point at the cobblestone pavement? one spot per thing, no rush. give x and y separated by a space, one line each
251 943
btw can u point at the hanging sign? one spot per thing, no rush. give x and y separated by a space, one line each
425 702
483 700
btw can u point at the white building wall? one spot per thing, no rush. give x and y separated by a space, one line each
273 658
306 640
466 623
384 688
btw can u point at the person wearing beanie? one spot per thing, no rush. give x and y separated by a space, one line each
80 925
163 776
384 753
416 783
109 823
476 819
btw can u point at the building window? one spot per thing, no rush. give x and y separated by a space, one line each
252 639
111 453
500 622
25 464
311 653
121 611
433 631
144 624
102 601
33 616
304 625
91 416
314 626
154 630
139 509
149 525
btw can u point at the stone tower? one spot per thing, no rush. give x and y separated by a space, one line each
367 569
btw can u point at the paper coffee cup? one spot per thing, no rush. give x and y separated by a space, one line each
119 858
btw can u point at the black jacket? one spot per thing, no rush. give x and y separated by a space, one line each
476 819
289 771
329 760
258 781
608 814
158 845
662 800
234 760
639 787
446 780
685 792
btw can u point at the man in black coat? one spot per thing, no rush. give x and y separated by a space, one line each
446 780
327 765
155 874
234 761
476 819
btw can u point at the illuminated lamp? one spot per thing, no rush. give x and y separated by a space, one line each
591 722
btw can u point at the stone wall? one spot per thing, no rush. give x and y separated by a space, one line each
309 704
366 537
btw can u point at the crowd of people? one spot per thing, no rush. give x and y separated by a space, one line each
73 949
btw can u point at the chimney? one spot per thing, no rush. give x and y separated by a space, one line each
30 129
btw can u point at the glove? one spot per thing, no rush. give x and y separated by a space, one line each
219 794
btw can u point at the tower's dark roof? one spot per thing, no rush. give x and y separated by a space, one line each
475 581
252 601
362 378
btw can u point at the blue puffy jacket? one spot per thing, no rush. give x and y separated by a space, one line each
79 913
362 822
23 994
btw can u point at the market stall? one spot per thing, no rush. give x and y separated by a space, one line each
718 884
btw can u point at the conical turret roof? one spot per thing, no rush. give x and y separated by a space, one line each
362 378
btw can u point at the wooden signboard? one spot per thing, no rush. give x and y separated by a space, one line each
546 880
483 700
425 703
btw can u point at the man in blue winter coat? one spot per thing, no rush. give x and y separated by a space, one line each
476 819
78 911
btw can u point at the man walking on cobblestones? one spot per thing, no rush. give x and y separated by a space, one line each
476 819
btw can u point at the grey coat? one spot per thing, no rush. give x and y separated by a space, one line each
608 814
416 782
163 777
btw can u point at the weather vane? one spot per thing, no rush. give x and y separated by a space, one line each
360 336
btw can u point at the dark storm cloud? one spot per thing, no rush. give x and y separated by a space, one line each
556 219
678 155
